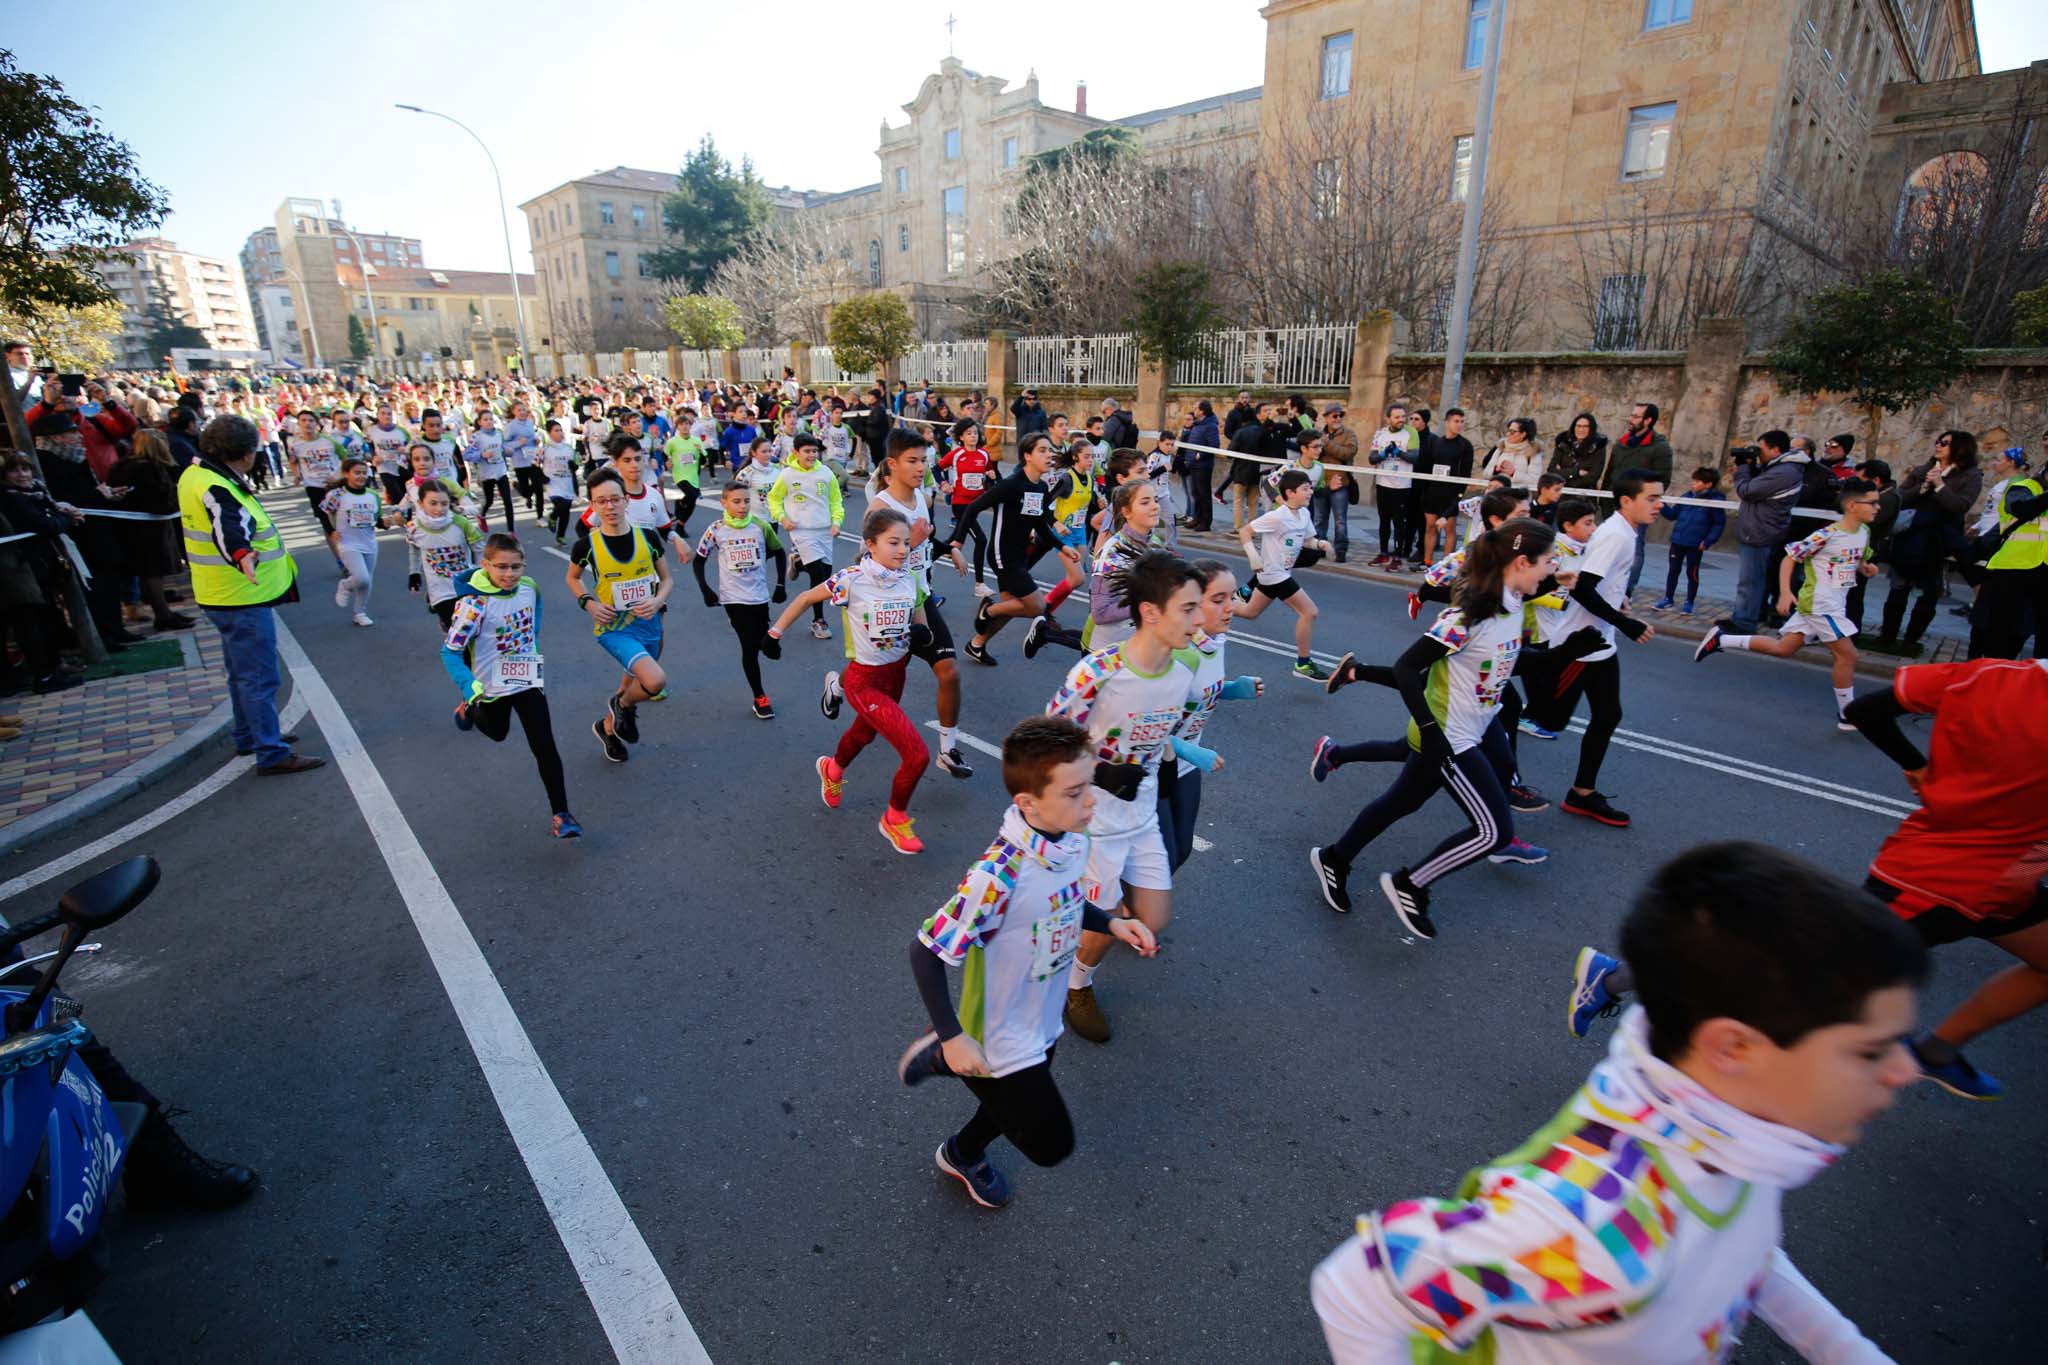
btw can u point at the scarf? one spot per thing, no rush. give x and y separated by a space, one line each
1642 1095
1628 438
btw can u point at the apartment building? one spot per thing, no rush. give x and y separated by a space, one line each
201 291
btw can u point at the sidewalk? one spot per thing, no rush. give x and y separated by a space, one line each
73 740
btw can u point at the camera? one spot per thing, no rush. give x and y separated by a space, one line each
1746 454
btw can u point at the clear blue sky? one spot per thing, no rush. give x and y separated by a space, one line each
234 106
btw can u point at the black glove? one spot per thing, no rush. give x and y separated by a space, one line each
920 637
1120 780
412 582
780 594
1435 747
1633 628
1309 557
710 598
771 647
1581 642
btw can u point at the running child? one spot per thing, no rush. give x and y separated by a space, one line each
1451 680
685 453
1022 527
355 513
449 466
492 652
1002 1051
881 606
972 472
1275 542
558 468
1642 1223
1136 516
440 548
632 586
1159 468
486 456
900 473
522 455
1180 780
758 475
1131 697
1576 520
741 545
388 445
1835 557
318 458
806 503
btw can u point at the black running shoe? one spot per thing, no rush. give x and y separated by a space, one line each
831 697
1410 902
981 616
978 653
954 764
625 724
1594 806
1330 877
614 748
1526 800
1034 637
921 1061
1343 675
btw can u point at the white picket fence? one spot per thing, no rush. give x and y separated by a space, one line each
1315 356
611 362
702 365
760 364
1105 362
573 366
826 370
962 363
541 367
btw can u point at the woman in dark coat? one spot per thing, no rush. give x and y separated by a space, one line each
151 546
1580 454
1939 494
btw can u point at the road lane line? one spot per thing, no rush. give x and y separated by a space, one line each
1636 739
633 1299
78 857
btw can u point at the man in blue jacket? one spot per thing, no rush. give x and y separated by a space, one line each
1696 529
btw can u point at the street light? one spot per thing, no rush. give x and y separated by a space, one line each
369 292
504 221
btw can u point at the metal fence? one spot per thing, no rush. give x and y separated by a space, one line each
611 362
1317 356
758 364
702 365
948 362
541 367
1098 361
826 370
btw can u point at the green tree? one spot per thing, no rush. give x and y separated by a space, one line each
75 340
705 322
1172 311
164 328
1888 342
358 339
1099 144
2030 317
868 332
69 191
713 210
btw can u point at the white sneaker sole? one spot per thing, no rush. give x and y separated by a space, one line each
1315 862
947 1166
1394 898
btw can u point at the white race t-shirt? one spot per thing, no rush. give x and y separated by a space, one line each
1281 534
1610 554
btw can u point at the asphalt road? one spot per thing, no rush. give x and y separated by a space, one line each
714 979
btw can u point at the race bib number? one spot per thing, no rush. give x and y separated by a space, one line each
971 482
738 556
514 673
630 592
1149 730
558 466
1053 941
360 518
1034 504
889 622
921 557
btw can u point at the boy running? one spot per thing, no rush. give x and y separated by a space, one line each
741 544
806 503
1274 543
1022 527
440 548
632 586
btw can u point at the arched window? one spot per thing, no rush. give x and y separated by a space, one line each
875 262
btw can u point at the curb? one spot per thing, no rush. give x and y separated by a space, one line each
144 772
1867 664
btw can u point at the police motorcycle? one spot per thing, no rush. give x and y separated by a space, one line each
61 1141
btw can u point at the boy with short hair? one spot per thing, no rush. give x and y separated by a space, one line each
1642 1222
1274 543
805 502
1036 871
1549 496
1695 529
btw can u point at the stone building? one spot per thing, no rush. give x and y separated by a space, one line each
263 265
201 291
421 311
309 248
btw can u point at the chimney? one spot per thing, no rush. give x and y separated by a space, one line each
1080 97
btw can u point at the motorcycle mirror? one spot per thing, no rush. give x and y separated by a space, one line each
101 899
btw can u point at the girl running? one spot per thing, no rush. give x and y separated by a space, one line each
440 548
882 605
486 455
558 466
492 651
1135 510
522 447
1274 543
355 512
1180 779
973 471
1451 681
741 544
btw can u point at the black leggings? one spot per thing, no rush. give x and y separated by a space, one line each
1930 583
686 504
316 496
975 533
558 515
532 483
1476 779
818 570
1025 1107
750 623
1599 682
2012 604
1180 802
498 489
493 718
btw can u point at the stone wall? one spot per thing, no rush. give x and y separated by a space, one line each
2003 398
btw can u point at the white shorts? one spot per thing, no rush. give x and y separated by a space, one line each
812 543
1819 629
1138 858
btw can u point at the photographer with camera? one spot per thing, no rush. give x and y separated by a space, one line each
1768 479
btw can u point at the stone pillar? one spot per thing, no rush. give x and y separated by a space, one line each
1150 409
675 362
800 361
1369 354
1702 423
729 363
1002 366
630 356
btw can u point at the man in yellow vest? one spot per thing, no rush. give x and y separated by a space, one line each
2013 601
240 570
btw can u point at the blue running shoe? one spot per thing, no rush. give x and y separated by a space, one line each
1662 604
564 826
985 1184
1959 1077
921 1061
1590 997
1520 851
1323 762
463 722
1530 727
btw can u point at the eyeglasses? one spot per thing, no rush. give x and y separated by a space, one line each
606 502
1942 441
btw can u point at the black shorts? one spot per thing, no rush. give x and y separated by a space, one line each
1016 582
1280 591
1943 924
394 487
936 641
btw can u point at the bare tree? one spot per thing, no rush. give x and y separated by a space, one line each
786 278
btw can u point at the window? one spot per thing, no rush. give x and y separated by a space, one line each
640 267
639 215
952 144
902 180
1647 145
1665 13
611 265
618 308
1620 314
903 239
875 262
1477 12
580 314
1461 168
954 211
1336 66
1009 152
647 309
1326 188
534 226
558 270
568 215
604 212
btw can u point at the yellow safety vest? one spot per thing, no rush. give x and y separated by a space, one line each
216 581
611 571
2024 546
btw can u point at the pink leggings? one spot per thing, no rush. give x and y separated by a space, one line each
873 692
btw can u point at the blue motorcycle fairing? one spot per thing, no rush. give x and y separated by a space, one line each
25 1097
86 1146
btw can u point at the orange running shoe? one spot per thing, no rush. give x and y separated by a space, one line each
831 781
900 834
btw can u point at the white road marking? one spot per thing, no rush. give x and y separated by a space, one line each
78 857
993 751
632 1298
1837 792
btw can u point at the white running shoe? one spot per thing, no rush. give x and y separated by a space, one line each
363 619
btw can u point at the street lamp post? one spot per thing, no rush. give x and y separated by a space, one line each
369 290
504 221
